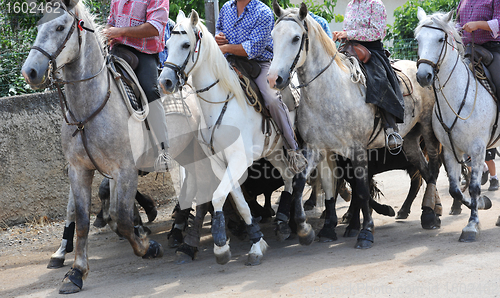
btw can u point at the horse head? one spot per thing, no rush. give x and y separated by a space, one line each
290 39
183 52
434 34
55 44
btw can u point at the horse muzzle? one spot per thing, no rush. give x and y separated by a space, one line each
425 75
36 78
278 82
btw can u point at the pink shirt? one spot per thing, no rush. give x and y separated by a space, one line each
479 10
131 13
365 20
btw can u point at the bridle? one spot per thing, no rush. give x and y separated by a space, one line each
57 82
180 71
304 46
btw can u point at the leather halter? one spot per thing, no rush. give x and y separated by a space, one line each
62 98
304 43
436 65
180 71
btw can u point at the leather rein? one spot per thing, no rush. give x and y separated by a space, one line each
57 83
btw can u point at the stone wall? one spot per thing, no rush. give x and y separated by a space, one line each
33 184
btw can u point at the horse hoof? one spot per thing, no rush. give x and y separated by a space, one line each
99 222
55 263
69 288
253 260
498 222
146 230
72 282
306 235
346 218
327 234
185 254
483 203
350 233
365 240
152 214
182 258
468 236
175 238
402 214
455 211
429 220
222 257
283 231
308 206
387 211
155 250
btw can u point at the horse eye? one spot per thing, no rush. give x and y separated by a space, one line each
185 46
441 39
60 28
295 39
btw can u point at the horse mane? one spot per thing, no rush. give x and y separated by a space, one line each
449 27
209 51
82 10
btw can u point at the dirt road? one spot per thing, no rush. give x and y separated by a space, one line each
405 261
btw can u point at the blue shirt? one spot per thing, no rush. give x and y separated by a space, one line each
252 29
323 23
164 54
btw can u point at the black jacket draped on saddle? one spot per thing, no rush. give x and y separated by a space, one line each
382 87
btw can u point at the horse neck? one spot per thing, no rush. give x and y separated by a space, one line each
86 96
453 73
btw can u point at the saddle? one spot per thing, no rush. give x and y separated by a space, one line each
357 50
247 71
133 89
482 59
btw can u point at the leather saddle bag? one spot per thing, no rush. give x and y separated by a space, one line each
125 54
356 50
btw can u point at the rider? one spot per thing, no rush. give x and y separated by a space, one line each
244 29
139 26
483 18
364 23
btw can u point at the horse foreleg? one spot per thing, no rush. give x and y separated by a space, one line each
187 251
415 184
81 182
360 164
57 258
329 182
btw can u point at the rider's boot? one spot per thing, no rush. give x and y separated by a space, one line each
393 140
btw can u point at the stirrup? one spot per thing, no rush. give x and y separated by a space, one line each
397 141
162 162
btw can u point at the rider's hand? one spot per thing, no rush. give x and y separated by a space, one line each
112 32
221 39
473 26
339 35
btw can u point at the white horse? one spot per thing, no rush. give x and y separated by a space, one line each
232 129
465 115
333 114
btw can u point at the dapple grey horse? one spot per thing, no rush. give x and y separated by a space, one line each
333 114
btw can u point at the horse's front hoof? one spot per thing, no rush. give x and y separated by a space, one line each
309 205
350 233
327 234
498 222
283 231
455 211
468 236
72 282
346 218
483 203
402 214
306 235
429 220
222 254
55 263
175 238
253 260
365 240
155 250
185 254
99 222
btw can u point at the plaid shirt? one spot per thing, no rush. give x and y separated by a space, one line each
131 13
479 10
365 20
252 29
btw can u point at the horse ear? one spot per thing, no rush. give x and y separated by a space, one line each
194 18
448 17
302 11
70 4
180 16
278 11
421 14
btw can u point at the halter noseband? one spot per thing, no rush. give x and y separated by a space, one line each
180 70
437 65
304 40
